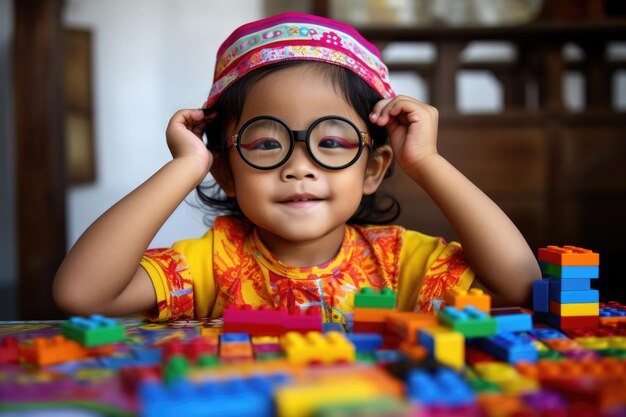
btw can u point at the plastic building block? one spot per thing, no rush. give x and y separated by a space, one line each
569 256
51 351
444 387
445 345
575 309
612 315
507 378
508 323
547 333
95 330
372 298
475 297
365 342
541 301
570 284
305 397
9 352
234 397
573 297
314 347
470 321
567 272
303 321
256 321
193 350
510 347
569 322
333 327
407 324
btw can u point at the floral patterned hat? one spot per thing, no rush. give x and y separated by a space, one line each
297 36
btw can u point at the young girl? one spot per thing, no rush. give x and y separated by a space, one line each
302 127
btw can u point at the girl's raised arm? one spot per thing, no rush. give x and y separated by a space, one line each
495 248
101 273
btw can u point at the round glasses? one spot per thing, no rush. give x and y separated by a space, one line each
266 142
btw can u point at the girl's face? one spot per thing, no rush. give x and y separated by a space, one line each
300 202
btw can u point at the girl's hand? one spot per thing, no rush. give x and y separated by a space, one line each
412 129
184 136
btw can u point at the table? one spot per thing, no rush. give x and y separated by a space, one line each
110 384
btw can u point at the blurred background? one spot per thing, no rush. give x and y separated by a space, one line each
531 94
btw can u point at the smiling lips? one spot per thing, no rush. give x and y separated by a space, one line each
301 200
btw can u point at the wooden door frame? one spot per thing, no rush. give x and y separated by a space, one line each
39 153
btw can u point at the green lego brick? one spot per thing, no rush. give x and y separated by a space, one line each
95 330
470 321
370 298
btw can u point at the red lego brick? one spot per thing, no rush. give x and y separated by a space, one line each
303 321
9 353
569 256
256 321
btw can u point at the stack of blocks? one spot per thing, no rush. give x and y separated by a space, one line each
564 298
371 308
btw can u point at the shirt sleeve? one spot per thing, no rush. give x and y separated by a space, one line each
429 266
182 277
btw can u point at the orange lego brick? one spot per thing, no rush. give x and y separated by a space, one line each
569 256
51 351
416 353
474 297
371 315
407 324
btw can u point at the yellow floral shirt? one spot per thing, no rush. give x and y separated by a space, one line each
231 265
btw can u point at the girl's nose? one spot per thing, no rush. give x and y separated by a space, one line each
300 165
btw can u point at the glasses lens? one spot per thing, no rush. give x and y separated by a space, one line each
334 142
264 143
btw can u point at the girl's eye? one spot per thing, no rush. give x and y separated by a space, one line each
262 144
335 142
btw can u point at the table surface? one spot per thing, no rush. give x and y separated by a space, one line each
93 387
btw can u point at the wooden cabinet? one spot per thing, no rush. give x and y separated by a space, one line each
560 175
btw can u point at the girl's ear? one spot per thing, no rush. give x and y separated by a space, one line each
222 174
376 168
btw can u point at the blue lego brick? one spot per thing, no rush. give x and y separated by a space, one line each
541 302
611 312
510 347
443 387
389 356
230 398
333 327
234 338
470 321
546 333
365 342
571 284
566 272
571 297
508 323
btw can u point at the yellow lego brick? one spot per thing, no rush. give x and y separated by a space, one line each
474 297
315 347
305 396
575 309
446 345
498 373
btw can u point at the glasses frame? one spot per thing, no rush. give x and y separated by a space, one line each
300 136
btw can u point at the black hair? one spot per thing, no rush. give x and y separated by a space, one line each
377 208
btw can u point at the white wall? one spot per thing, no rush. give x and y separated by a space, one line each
150 58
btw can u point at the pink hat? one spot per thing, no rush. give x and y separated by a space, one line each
297 36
